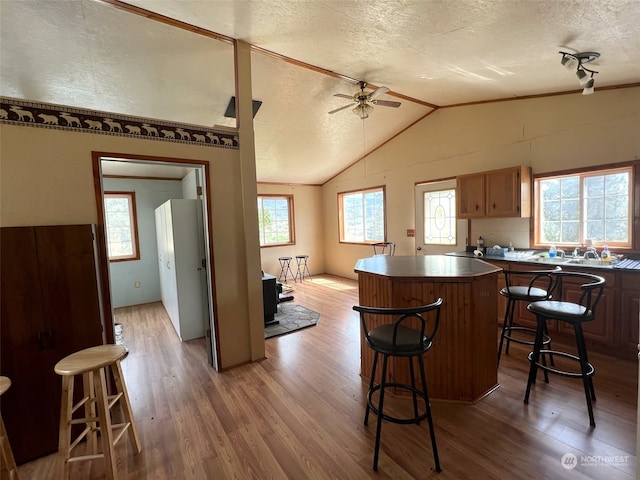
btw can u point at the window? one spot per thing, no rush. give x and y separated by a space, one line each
595 205
439 209
362 216
275 219
121 226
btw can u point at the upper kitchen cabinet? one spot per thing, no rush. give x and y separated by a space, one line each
498 193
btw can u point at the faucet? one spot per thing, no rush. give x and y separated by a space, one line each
591 253
560 253
576 252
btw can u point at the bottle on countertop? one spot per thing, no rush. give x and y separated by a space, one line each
552 251
511 249
480 243
605 256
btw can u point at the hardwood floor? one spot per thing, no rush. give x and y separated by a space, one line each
299 413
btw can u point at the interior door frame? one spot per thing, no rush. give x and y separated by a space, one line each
212 331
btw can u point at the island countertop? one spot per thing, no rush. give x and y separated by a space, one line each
424 266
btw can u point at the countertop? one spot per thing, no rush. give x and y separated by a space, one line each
533 258
427 266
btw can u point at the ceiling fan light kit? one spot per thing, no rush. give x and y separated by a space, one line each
364 101
577 61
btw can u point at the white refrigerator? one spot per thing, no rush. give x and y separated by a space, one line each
180 261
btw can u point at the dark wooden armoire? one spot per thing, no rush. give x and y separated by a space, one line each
51 307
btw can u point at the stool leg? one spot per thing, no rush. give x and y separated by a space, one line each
306 269
537 346
90 411
125 404
380 406
587 381
64 437
432 432
373 376
106 432
413 389
8 460
505 324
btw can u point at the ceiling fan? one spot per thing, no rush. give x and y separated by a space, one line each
364 101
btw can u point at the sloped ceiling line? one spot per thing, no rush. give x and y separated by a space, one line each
18 112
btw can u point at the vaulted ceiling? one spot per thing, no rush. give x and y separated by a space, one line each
175 62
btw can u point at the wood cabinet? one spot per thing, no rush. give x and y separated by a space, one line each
629 312
50 308
497 193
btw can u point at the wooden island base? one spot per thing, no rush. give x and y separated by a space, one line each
462 364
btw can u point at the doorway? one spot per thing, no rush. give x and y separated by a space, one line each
438 231
156 181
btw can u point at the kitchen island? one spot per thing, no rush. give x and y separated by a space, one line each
462 365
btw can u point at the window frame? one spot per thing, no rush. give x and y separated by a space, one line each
133 216
290 208
601 170
341 229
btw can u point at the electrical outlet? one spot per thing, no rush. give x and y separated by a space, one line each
136 284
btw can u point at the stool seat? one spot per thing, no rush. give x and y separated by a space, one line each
565 311
90 359
532 294
285 268
302 268
407 342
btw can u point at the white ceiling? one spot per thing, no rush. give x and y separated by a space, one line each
94 55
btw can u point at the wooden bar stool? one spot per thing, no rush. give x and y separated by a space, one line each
92 363
8 462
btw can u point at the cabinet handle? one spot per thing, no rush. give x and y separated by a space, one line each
494 206
477 207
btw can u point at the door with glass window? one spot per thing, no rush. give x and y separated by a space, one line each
438 230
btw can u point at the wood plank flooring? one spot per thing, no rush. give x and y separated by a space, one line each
298 414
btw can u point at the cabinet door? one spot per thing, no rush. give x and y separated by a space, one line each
28 409
503 193
600 330
629 314
470 190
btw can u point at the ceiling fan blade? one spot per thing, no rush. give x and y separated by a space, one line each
341 108
378 91
342 95
386 103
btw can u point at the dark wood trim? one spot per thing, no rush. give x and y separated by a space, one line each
292 219
134 177
286 184
134 216
427 182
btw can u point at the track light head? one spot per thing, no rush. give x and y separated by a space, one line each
588 88
577 61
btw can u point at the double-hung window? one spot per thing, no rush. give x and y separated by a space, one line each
275 220
122 226
362 216
593 205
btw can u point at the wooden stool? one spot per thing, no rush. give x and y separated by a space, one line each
92 363
8 462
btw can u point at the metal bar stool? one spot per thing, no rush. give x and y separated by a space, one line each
285 268
575 313
524 286
384 248
8 462
405 337
303 269
92 363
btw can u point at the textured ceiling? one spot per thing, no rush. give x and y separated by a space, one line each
94 55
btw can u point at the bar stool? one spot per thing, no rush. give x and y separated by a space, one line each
8 462
398 339
303 269
524 286
574 313
285 267
92 364
384 248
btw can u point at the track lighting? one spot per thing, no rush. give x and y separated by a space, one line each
577 61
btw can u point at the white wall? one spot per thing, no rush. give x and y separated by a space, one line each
549 134
150 194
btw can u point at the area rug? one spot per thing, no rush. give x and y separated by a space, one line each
291 318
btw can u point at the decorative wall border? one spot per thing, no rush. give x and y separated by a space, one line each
44 115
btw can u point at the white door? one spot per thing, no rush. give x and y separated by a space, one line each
445 233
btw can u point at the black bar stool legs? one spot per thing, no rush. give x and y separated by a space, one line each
303 268
285 268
